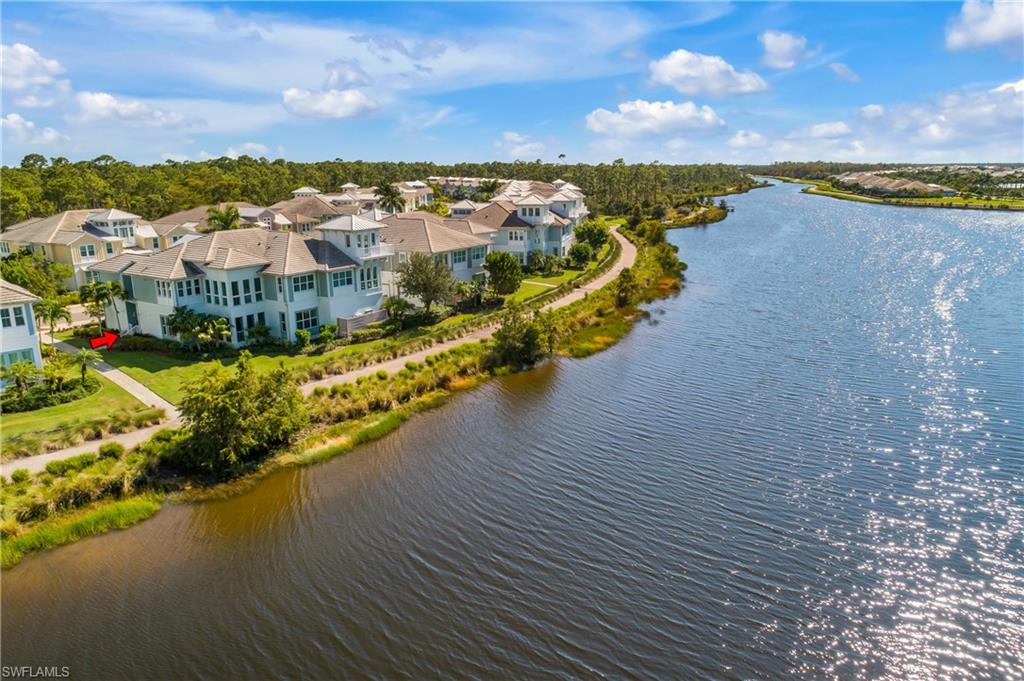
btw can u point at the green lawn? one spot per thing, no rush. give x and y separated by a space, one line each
108 399
527 291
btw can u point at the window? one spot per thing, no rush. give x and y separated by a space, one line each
303 282
207 282
164 330
339 279
369 278
239 329
348 241
246 290
236 299
280 286
5 318
91 277
5 248
156 244
257 285
176 238
307 319
164 289
19 316
261 319
110 248
284 324
479 253
87 251
458 257
10 358
517 235
443 257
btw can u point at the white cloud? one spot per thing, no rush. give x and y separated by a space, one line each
24 68
100 106
24 131
427 120
247 149
346 73
518 146
829 130
986 23
693 73
328 103
1017 86
782 50
34 102
844 72
640 117
872 111
744 139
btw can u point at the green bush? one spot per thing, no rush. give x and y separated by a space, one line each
19 475
367 334
41 395
71 464
111 450
302 338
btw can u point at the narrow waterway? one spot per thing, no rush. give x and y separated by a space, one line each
808 464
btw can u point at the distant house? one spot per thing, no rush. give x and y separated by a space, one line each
19 337
80 238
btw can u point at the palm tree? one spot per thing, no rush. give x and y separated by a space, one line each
85 358
21 373
182 322
213 329
225 219
390 198
107 293
52 311
55 371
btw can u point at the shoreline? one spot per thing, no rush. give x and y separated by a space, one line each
815 187
326 441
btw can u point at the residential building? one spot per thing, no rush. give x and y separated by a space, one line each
465 207
452 243
80 238
19 337
251 276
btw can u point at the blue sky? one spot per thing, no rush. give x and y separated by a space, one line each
680 83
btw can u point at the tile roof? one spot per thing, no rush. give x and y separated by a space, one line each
499 214
12 294
113 214
201 214
426 233
45 230
316 206
350 223
467 226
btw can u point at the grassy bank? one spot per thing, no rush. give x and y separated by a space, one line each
823 188
116 489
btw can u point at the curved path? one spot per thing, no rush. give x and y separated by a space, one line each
626 259
38 462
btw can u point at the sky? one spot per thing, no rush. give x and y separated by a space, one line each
679 83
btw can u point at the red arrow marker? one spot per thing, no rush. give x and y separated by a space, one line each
107 338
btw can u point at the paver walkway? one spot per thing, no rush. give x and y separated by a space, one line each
136 437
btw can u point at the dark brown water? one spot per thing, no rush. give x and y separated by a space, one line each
808 464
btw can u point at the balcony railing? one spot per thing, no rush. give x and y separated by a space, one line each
378 251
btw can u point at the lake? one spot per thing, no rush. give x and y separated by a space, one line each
807 464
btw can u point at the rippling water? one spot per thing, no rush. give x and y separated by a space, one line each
808 464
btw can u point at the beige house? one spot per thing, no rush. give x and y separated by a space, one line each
80 238
452 242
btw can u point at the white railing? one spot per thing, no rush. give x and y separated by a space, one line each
378 251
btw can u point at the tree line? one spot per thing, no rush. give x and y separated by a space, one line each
40 186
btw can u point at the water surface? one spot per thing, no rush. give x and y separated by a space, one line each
808 464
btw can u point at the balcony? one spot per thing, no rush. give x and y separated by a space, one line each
378 251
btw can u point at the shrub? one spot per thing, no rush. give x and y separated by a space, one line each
111 450
19 475
40 395
71 464
367 334
302 338
381 374
581 253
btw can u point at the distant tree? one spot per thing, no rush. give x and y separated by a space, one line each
626 287
424 277
52 311
84 359
390 198
504 273
34 272
594 233
222 220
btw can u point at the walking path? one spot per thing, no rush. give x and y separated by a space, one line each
38 462
130 439
626 259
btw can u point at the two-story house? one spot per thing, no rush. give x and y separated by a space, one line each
281 280
80 238
19 337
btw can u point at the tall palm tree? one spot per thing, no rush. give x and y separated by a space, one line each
108 292
85 358
390 198
52 311
226 219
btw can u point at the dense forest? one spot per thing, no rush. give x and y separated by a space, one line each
41 186
972 183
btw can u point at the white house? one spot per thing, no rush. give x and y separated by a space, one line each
281 280
19 337
450 242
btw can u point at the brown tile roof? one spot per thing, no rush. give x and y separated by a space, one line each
200 214
60 228
12 294
498 214
316 205
467 226
426 233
